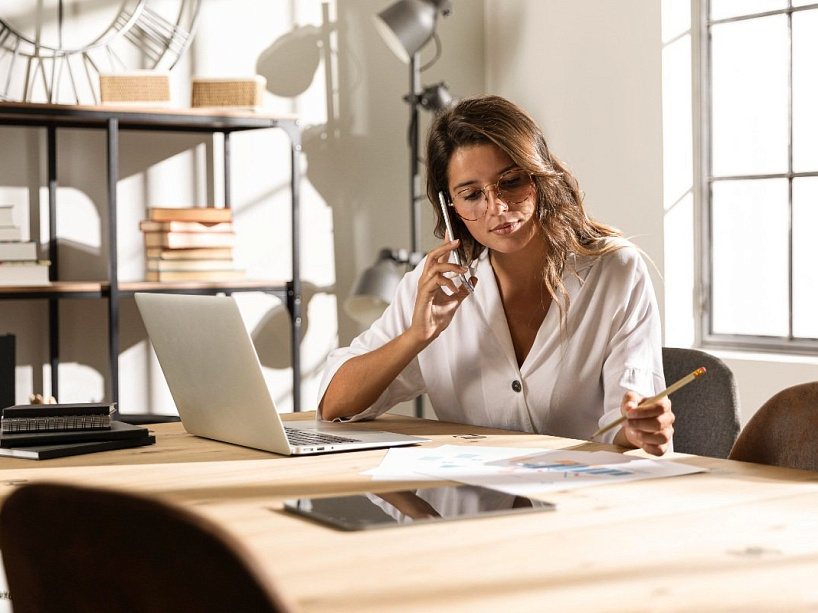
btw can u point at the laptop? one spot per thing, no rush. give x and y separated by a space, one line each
216 380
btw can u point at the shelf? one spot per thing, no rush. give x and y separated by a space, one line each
96 289
112 120
139 118
57 289
203 286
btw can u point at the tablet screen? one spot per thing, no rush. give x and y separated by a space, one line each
384 509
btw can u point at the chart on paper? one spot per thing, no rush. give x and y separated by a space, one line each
523 471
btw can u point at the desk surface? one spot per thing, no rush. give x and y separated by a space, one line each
739 537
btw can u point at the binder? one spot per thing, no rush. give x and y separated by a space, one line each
50 417
118 431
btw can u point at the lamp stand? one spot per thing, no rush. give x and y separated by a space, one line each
413 98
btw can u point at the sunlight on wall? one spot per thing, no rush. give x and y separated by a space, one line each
77 219
679 201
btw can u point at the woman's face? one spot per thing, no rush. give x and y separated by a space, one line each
506 227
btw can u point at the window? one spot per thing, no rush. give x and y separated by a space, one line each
760 173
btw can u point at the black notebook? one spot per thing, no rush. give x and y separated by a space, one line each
118 431
47 452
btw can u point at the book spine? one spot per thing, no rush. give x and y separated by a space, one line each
185 226
198 214
182 240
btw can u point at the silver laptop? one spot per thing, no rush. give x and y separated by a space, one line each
215 378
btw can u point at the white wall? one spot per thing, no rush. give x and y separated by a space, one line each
590 73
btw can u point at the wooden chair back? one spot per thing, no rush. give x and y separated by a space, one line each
69 548
784 431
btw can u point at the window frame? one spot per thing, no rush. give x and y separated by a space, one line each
780 344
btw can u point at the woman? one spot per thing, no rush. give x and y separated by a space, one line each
561 335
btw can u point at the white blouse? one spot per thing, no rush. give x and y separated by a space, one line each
572 380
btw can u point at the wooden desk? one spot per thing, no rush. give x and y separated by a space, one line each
741 537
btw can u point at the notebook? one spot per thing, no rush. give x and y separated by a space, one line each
63 450
215 378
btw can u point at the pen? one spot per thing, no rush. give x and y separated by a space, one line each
676 386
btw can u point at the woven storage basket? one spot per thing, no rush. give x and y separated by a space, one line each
241 93
146 87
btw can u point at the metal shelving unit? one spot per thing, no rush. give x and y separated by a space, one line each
114 120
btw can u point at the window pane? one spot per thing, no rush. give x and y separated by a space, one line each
750 248
722 9
749 96
805 262
805 91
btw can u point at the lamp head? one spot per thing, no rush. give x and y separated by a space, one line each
436 97
374 289
407 25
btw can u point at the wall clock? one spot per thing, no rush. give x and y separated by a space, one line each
54 50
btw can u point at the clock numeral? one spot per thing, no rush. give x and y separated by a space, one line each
4 33
13 51
155 35
88 66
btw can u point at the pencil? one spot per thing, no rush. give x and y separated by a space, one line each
675 387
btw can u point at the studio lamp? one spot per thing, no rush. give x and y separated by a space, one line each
406 27
375 287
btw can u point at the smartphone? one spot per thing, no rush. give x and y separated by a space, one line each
447 220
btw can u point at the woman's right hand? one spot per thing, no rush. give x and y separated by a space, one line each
361 380
434 308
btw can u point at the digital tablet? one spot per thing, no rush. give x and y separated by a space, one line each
390 509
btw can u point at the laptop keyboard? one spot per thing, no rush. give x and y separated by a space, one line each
311 437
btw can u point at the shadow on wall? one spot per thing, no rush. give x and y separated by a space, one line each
82 212
356 159
271 335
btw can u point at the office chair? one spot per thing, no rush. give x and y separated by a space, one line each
783 431
707 411
70 548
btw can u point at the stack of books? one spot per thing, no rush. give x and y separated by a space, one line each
18 258
190 244
45 431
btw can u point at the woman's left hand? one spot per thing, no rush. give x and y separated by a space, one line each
648 426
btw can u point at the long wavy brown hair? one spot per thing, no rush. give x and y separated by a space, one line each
566 226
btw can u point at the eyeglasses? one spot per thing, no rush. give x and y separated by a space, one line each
513 187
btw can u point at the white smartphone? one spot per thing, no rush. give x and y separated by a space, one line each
445 210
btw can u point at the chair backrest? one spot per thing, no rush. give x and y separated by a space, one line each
68 548
784 431
707 411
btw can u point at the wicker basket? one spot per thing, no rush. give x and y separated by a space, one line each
229 92
143 87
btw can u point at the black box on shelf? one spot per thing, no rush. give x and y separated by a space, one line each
7 362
